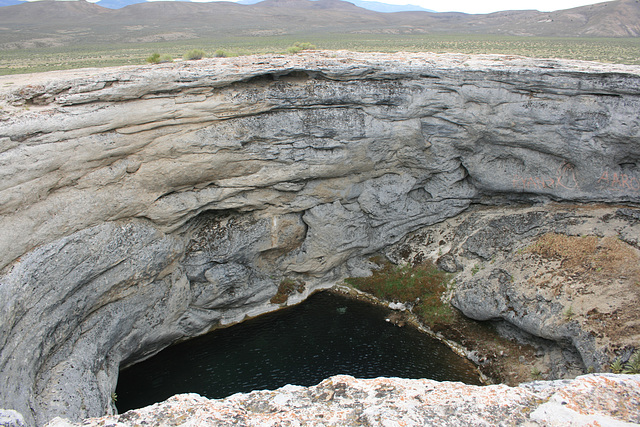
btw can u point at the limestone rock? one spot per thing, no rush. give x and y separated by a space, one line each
343 401
9 418
143 205
85 305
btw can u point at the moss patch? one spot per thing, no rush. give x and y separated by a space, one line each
422 285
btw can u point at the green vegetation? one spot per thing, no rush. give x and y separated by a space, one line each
569 313
156 58
617 366
476 268
633 365
286 288
221 53
194 54
37 59
299 47
422 285
535 373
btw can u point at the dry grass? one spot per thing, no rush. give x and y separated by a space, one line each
286 288
607 256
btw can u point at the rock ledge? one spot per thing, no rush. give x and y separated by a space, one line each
604 400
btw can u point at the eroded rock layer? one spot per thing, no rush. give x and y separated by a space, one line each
143 205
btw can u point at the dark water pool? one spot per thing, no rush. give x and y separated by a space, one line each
323 336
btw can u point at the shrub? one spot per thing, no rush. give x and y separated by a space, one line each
299 47
194 54
221 53
156 58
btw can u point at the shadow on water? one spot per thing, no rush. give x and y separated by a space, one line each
325 335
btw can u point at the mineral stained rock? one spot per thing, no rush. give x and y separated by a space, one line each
143 205
603 400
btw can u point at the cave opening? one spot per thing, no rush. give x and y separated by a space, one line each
327 334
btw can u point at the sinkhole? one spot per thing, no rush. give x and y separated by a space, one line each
325 335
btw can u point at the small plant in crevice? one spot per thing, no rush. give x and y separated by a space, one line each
287 288
114 397
421 286
536 374
633 365
568 313
476 268
616 366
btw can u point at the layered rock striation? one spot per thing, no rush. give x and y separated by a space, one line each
144 205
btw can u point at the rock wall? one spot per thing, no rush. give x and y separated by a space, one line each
143 205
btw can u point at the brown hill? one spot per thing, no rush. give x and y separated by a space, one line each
619 18
48 23
30 11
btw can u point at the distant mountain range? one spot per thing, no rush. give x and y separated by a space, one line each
49 23
376 6
369 5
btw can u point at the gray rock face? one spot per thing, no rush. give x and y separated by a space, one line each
142 205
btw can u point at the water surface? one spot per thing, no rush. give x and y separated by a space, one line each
325 335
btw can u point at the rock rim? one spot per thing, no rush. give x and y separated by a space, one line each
604 399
